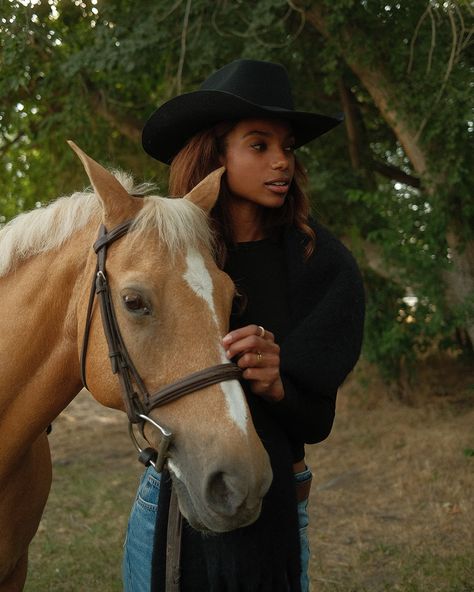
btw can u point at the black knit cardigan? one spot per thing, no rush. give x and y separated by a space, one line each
326 302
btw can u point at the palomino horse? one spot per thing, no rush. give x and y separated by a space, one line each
172 305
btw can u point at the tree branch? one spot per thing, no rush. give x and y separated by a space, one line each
433 42
7 144
130 127
361 158
451 61
395 174
182 54
415 35
352 122
374 259
373 77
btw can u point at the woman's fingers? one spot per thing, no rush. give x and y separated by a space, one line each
250 343
247 331
256 352
265 375
258 360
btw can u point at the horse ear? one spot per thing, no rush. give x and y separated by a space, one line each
206 192
117 202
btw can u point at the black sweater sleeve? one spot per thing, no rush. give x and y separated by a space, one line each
324 345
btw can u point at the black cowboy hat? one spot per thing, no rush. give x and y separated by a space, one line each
241 89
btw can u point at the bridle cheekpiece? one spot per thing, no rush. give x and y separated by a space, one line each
137 400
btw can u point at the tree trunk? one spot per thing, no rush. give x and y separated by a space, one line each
459 280
380 88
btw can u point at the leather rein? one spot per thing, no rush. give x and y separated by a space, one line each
137 400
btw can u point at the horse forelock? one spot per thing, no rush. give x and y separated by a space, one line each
179 224
177 221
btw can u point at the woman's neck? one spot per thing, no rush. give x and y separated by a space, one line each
247 221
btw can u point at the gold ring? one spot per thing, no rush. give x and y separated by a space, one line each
261 331
259 357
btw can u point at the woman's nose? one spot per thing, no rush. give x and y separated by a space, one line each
280 164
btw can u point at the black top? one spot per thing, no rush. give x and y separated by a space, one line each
326 301
315 308
258 270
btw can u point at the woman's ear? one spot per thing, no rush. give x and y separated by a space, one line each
205 194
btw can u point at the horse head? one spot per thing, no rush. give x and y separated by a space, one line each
172 304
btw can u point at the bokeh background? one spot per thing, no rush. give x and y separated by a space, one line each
394 182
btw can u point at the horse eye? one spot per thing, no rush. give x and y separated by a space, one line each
134 303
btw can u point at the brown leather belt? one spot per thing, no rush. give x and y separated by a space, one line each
302 489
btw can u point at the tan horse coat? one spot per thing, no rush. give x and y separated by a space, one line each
217 461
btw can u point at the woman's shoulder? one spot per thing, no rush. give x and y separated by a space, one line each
328 249
327 285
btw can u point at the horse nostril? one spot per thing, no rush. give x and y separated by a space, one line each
224 494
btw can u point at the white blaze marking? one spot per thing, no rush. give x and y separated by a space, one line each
199 279
173 467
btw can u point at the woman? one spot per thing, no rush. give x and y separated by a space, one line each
296 332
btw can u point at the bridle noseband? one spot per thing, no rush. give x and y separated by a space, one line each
137 400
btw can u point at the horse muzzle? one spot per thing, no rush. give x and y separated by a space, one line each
222 500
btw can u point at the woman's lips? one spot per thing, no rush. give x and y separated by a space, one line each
280 187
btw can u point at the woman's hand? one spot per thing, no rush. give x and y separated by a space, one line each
258 355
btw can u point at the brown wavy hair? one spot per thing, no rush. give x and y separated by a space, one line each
201 155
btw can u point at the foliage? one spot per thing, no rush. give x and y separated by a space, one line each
93 70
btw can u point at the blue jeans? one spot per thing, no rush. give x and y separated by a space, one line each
303 522
138 546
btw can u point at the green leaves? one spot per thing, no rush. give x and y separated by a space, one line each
94 71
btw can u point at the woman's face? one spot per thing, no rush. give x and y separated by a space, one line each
260 162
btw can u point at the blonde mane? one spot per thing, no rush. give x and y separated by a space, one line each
178 222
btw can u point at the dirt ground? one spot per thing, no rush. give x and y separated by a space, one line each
391 506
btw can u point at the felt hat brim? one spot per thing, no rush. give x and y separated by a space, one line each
176 121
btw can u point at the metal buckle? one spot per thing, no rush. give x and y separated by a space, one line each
165 441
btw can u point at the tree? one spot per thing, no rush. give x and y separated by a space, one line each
420 87
393 182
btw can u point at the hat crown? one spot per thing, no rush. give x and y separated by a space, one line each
243 89
261 83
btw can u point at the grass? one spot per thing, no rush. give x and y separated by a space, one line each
404 519
391 506
79 543
387 568
81 536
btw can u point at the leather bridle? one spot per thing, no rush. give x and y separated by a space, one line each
137 400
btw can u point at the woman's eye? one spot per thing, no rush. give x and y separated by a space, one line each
289 149
134 303
259 146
